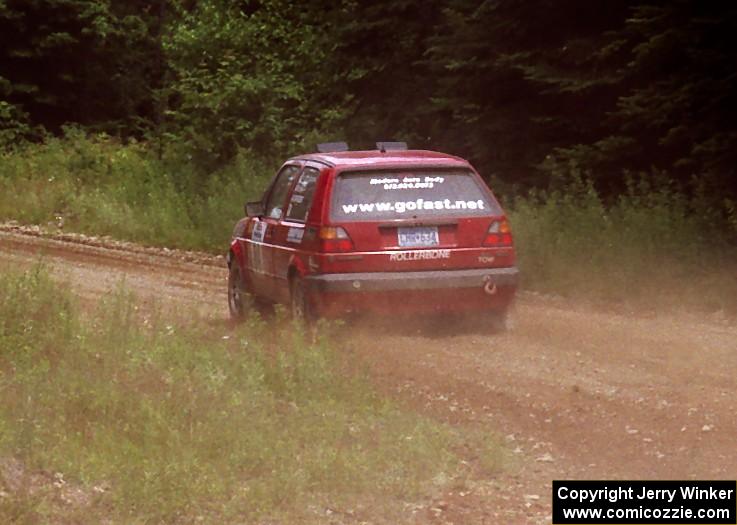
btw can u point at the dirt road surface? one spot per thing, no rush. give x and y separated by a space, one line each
571 392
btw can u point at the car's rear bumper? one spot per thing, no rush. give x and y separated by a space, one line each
427 280
428 291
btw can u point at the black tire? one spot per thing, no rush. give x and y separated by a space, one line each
299 305
237 295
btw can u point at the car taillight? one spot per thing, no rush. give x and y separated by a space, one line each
498 234
334 240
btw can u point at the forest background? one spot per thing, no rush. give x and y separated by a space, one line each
606 128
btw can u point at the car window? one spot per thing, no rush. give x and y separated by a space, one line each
397 194
284 180
301 200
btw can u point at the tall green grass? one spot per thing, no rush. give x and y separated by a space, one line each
652 246
98 186
143 420
655 245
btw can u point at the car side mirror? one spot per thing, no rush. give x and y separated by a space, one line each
254 209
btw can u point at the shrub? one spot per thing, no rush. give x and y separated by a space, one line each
98 186
653 246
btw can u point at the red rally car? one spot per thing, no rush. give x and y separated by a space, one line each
389 230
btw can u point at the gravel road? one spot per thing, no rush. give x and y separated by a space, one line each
571 392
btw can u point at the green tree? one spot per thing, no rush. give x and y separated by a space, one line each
249 76
668 73
377 66
515 80
679 105
79 61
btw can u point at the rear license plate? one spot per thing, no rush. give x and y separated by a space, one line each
418 237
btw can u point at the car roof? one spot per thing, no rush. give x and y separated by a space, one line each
390 158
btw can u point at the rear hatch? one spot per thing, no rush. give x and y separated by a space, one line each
416 219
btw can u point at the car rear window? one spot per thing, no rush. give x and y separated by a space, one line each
387 195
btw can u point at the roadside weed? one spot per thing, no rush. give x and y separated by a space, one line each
130 416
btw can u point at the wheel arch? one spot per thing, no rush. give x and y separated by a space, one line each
235 253
296 269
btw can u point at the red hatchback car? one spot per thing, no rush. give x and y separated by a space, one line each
390 231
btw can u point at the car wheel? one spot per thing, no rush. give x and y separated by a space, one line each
300 306
237 295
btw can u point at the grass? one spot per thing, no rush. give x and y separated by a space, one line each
133 418
100 187
653 246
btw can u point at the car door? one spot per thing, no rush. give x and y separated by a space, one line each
290 230
259 246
